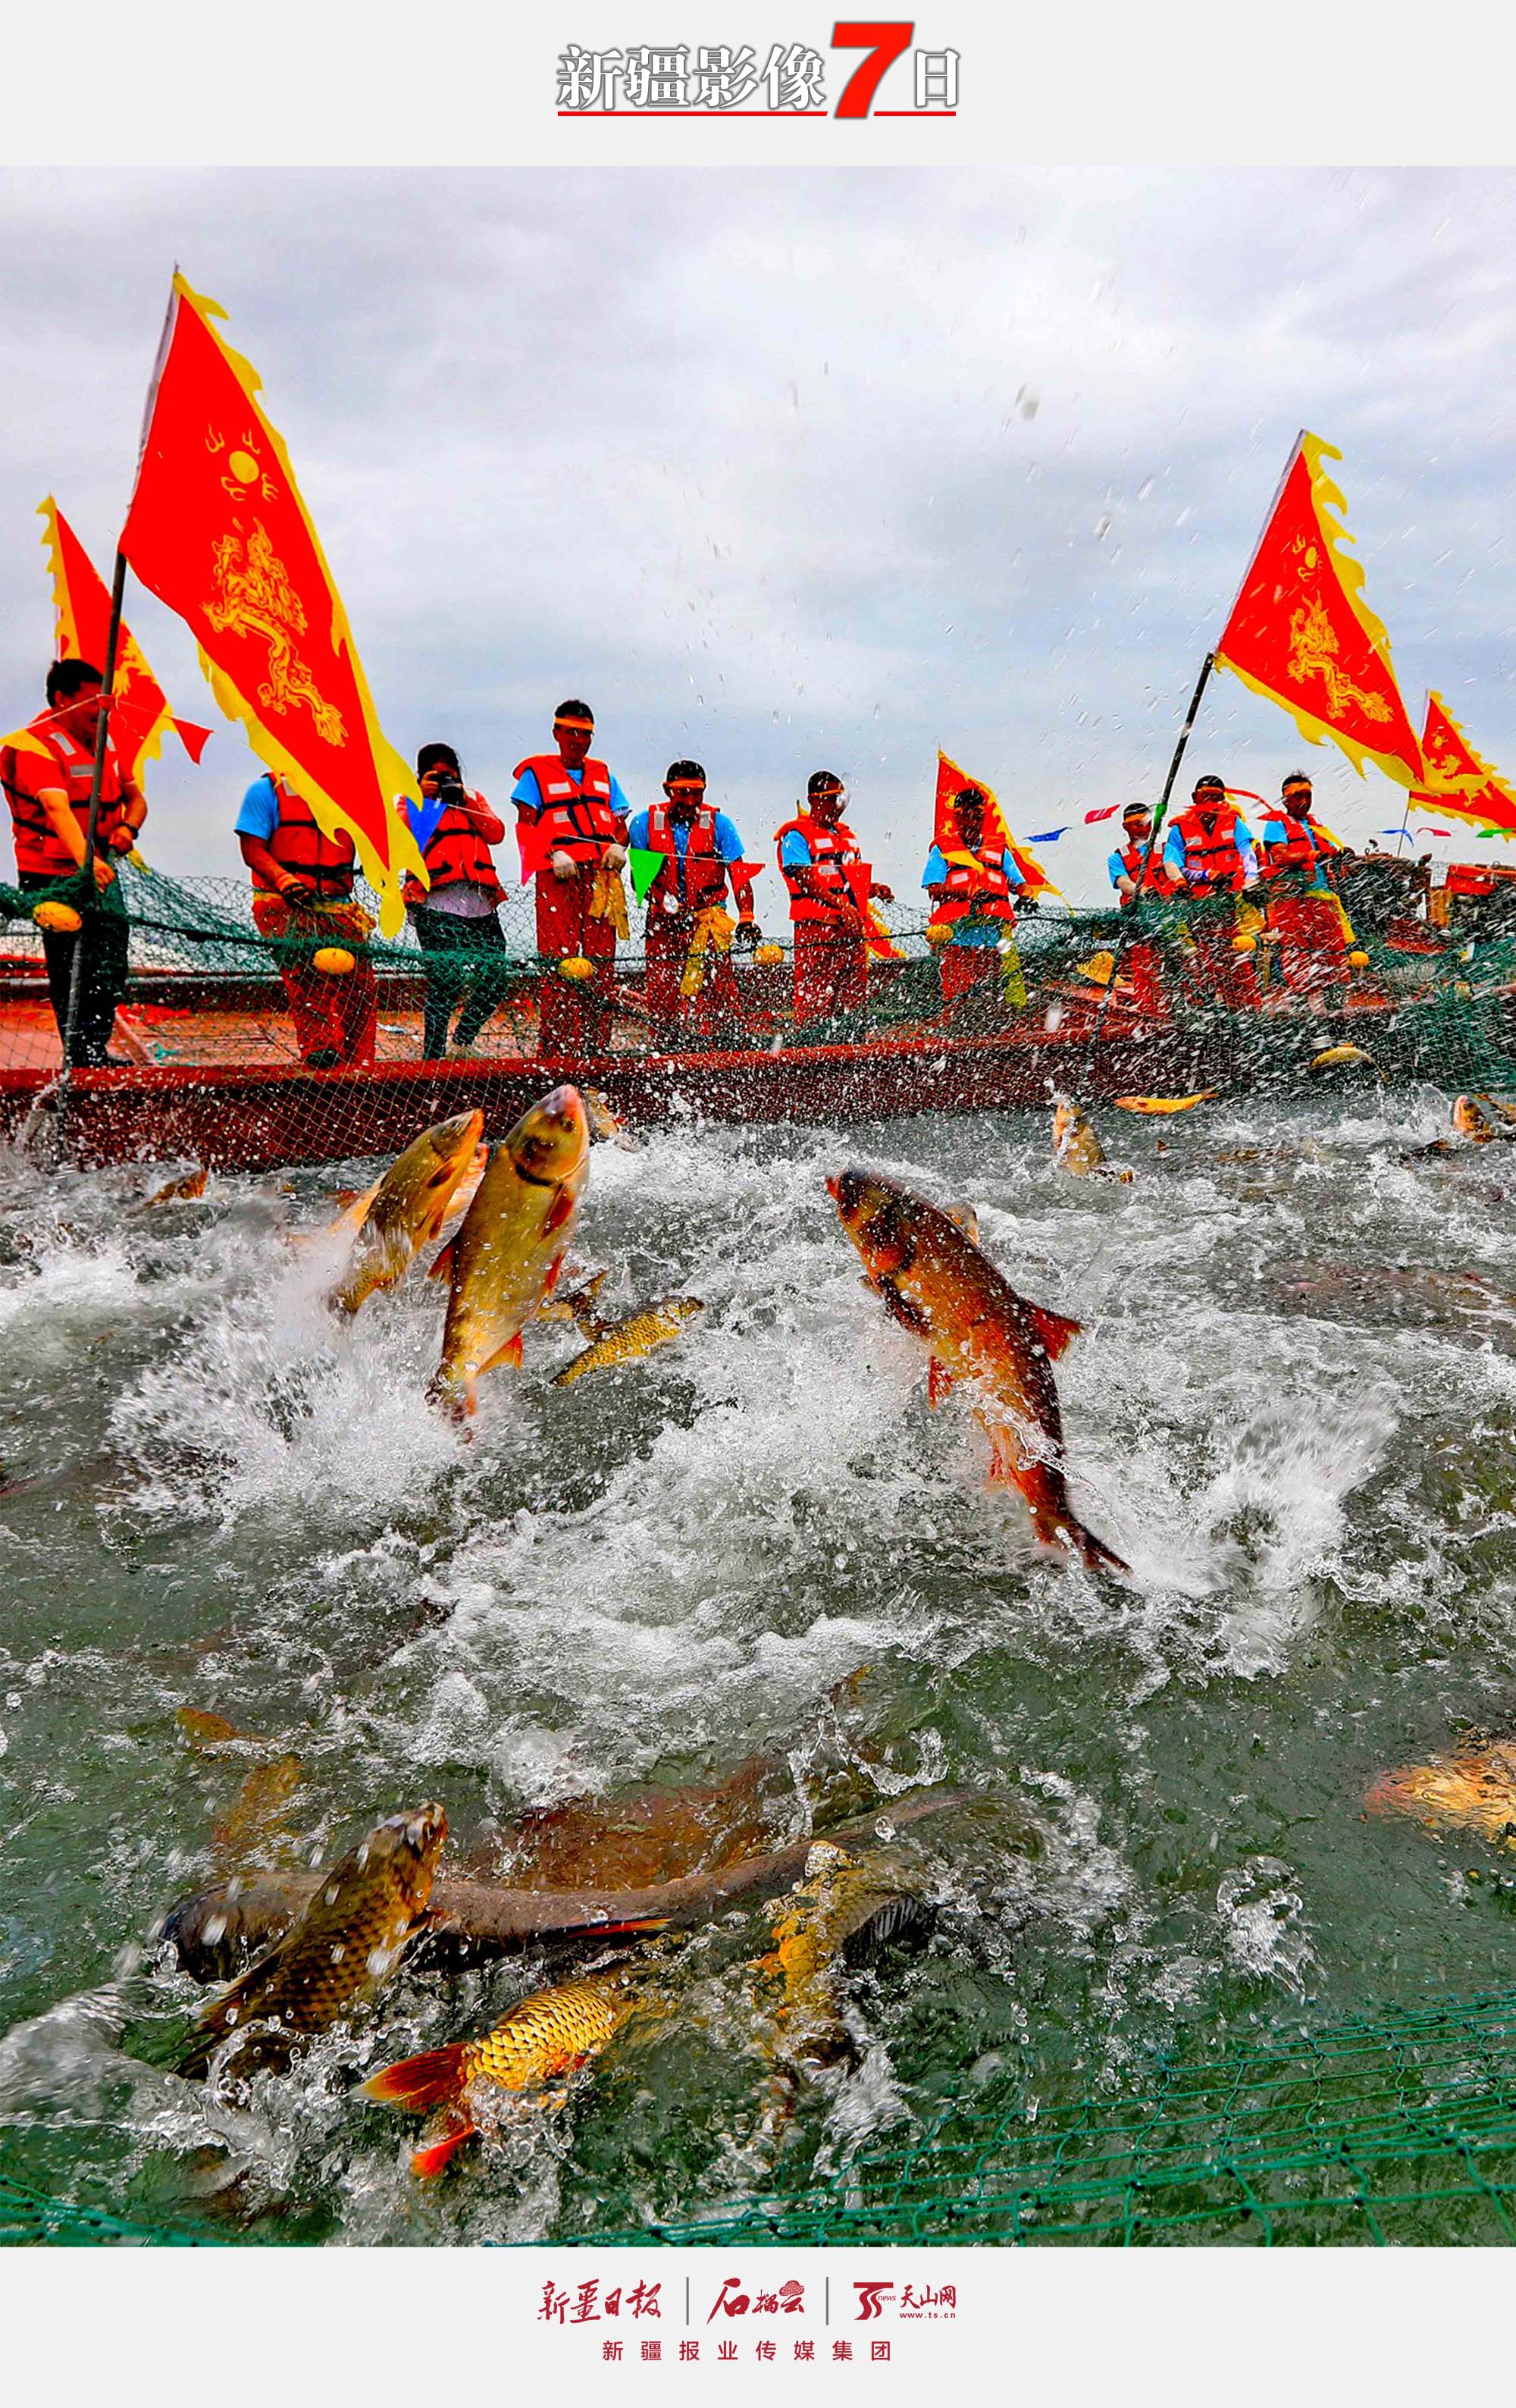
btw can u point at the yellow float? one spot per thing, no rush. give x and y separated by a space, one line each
1358 961
60 918
941 934
576 967
768 956
334 960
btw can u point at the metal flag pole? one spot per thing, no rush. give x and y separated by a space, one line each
102 737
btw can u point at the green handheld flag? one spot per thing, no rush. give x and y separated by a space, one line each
645 869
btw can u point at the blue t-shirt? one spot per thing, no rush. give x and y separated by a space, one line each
527 791
1174 849
971 930
259 815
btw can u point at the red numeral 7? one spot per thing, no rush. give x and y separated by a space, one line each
884 44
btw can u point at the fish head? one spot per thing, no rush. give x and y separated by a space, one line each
603 1121
1469 1121
549 1141
402 1851
418 1187
881 1219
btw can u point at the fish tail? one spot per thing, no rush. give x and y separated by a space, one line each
611 1930
419 2082
448 2132
1094 1551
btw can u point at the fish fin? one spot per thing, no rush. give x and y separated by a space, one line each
554 1273
1054 1329
611 1930
443 1266
1094 1552
939 1382
419 2082
509 1353
560 1210
901 1309
451 2132
1002 1459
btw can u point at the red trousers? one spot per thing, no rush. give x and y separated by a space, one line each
667 952
966 965
1223 973
1140 964
563 928
831 971
335 1014
1313 950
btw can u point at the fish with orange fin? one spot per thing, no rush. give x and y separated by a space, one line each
1076 1147
551 2033
656 1835
933 1281
1155 1104
405 1210
1471 1792
506 1258
179 1190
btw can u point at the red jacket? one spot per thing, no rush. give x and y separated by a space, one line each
833 851
71 766
574 819
457 853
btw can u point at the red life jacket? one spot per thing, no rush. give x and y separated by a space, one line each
1157 881
574 819
37 848
705 871
455 854
1299 849
298 844
832 850
1211 860
987 881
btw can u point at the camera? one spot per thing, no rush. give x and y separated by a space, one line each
449 790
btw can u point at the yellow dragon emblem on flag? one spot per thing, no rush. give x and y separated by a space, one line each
1314 645
254 597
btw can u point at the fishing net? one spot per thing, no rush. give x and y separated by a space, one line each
309 1040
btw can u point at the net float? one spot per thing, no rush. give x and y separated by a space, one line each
768 956
578 967
60 918
334 960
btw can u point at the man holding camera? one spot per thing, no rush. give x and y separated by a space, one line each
571 816
690 935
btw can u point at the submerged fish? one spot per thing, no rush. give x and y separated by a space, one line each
1471 1122
506 1259
846 1912
405 1210
606 1128
1165 1103
1075 1145
343 1946
1473 1792
629 1341
656 1835
254 1832
549 2033
179 1190
933 1281
1338 1057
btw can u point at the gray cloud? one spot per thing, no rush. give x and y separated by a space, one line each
800 466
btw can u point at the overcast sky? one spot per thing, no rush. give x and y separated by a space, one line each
795 469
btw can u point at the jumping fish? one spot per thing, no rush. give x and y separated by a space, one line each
405 1211
1076 1147
1165 1103
935 1283
179 1190
629 1341
506 1258
1340 1057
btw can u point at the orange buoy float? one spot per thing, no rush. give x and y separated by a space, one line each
334 960
60 918
768 956
575 966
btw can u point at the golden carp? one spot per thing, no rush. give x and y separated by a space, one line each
606 1128
1338 1057
1471 1122
339 1951
179 1190
1165 1103
549 2033
1470 1792
407 1208
1076 1147
846 1911
933 1281
629 1341
506 1259
578 1305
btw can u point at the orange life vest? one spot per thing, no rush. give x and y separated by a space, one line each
1212 858
298 844
1299 848
1157 881
833 851
574 819
37 848
705 871
986 883
456 855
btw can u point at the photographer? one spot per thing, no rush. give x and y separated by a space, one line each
455 916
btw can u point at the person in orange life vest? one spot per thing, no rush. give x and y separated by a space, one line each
302 887
577 813
979 904
454 917
702 851
1312 943
49 793
831 954
1210 853
1125 866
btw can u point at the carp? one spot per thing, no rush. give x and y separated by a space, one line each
933 1281
506 1258
1471 1122
344 1942
1165 1103
405 1211
1470 1792
612 1342
1341 1057
845 1913
179 1190
549 2033
576 1306
1076 1147
606 1128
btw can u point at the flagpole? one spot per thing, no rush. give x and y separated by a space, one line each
102 737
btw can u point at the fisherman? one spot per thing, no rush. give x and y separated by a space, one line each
571 816
688 929
455 915
827 876
49 790
1307 923
1210 854
1138 863
973 886
302 890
